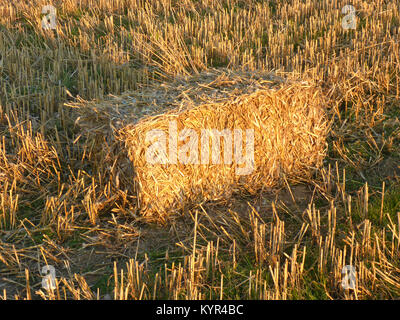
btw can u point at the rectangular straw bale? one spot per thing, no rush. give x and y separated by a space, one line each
289 129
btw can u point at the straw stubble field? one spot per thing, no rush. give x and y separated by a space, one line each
74 103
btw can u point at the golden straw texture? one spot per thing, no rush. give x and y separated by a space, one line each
289 127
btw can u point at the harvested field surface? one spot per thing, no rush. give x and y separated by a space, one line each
84 216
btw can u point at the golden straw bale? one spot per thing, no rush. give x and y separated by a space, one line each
212 151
